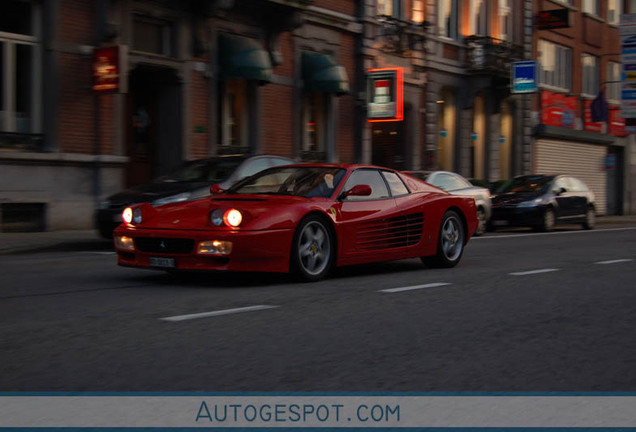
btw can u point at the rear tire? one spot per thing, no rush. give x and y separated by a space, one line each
590 218
313 251
450 242
482 222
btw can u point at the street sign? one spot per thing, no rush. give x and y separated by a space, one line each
524 77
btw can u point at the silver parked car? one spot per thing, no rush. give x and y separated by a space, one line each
455 184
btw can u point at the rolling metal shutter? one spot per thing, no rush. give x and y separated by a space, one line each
584 161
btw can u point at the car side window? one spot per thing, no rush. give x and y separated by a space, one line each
396 185
252 167
278 162
448 182
367 177
578 185
561 182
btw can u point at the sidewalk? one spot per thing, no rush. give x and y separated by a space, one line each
89 240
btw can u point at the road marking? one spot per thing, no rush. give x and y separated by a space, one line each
614 261
415 287
217 313
495 236
532 272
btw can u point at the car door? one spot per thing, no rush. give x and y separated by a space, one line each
562 191
364 219
579 197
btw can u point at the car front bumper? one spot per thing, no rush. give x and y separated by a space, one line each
516 216
260 251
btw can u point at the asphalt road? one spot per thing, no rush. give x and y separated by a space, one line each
522 312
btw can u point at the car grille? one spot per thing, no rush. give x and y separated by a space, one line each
391 233
164 245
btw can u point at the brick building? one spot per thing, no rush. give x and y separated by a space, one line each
199 78
578 62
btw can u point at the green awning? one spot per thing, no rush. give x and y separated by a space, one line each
241 57
322 73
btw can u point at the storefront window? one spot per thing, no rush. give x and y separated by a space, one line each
19 77
446 137
234 117
314 126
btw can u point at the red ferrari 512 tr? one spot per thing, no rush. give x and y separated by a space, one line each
304 219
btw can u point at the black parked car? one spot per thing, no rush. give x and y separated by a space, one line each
542 201
191 181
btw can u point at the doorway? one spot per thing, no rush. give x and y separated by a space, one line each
154 123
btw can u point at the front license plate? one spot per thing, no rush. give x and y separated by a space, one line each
162 262
500 222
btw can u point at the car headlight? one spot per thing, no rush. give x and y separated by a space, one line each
184 196
530 203
216 217
129 215
232 218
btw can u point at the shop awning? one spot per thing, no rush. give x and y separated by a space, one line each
241 57
322 73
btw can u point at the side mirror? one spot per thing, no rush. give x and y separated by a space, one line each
560 191
358 190
215 189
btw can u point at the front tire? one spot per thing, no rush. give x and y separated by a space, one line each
590 219
450 242
548 220
482 222
313 250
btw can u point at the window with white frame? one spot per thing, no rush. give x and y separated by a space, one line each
478 17
387 7
505 20
590 74
592 7
556 65
614 8
613 85
417 11
19 67
448 18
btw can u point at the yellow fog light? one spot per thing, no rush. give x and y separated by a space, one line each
124 243
214 247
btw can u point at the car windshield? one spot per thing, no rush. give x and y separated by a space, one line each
208 170
306 181
530 185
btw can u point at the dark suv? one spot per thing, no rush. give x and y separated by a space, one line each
542 201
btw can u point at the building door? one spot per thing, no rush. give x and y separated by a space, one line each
389 144
614 169
154 123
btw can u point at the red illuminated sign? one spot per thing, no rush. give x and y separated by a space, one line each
558 109
106 69
385 94
617 125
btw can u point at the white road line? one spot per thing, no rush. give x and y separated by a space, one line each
415 287
614 261
217 313
532 272
490 237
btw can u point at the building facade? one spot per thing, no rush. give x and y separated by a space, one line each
580 63
293 77
197 78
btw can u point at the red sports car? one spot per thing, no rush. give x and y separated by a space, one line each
304 219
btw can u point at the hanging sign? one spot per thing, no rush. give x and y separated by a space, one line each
385 94
107 70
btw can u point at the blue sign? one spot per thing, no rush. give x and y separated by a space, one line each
524 77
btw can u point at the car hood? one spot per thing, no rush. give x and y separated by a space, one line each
259 212
512 198
148 192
